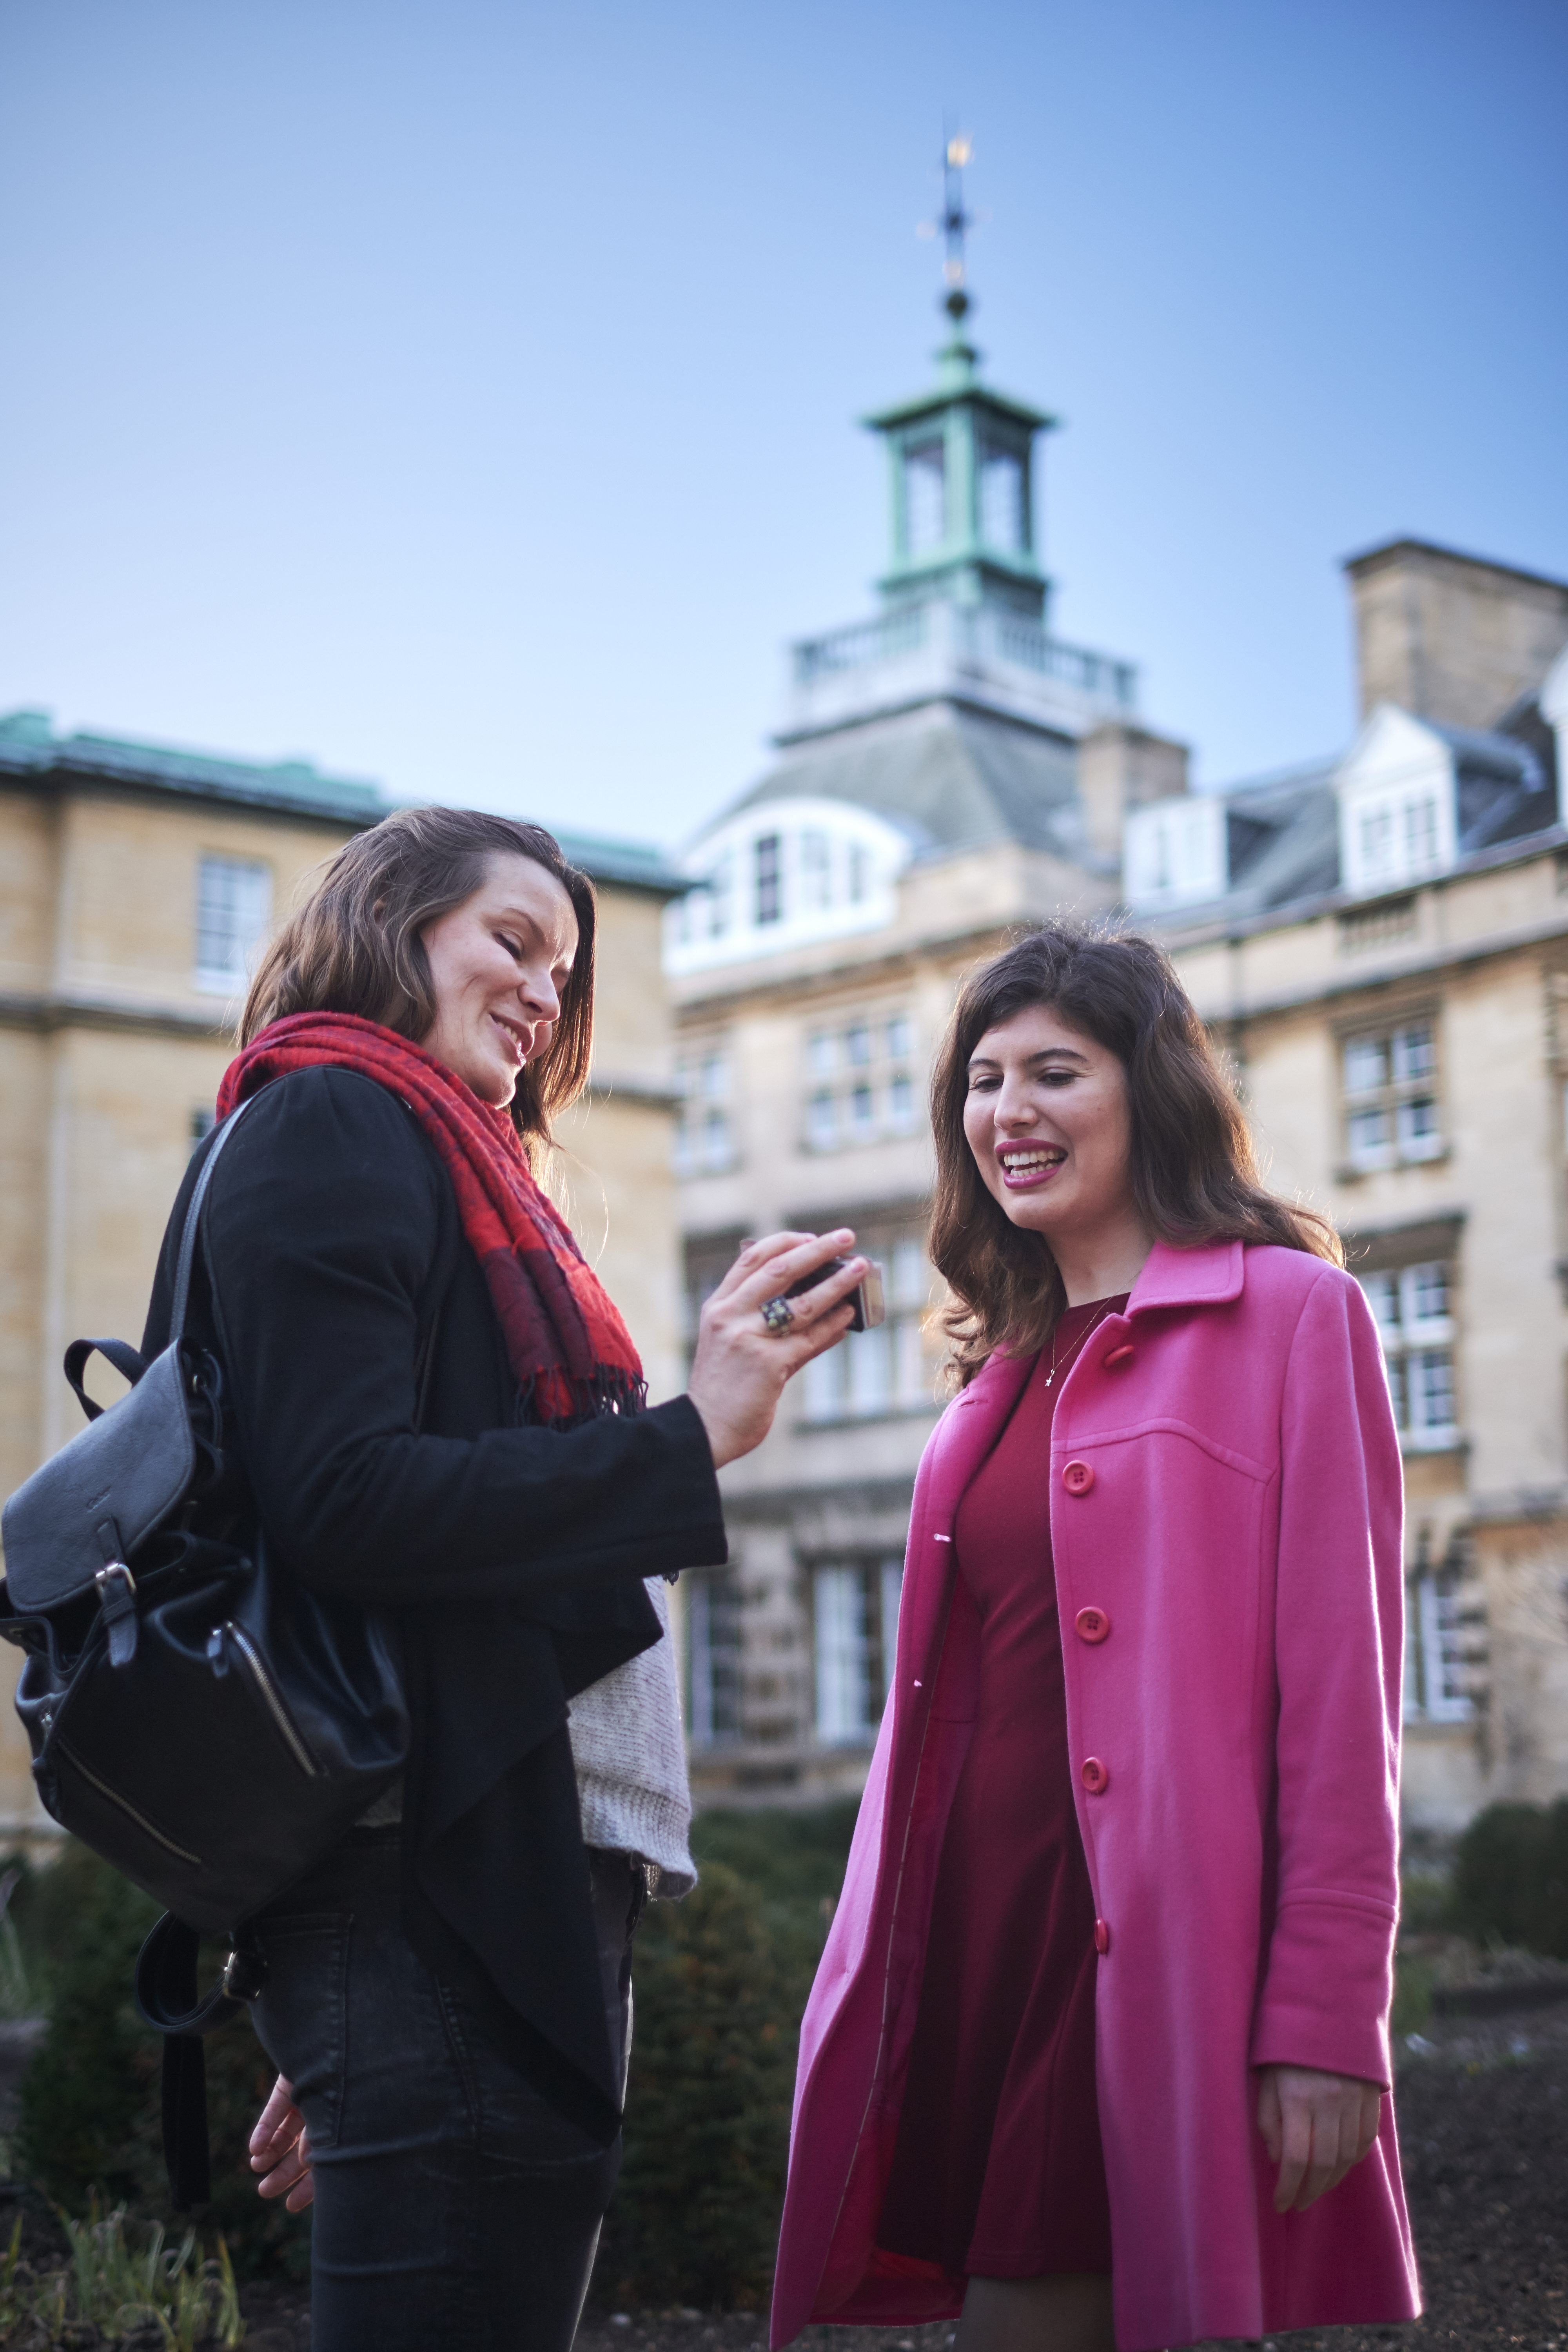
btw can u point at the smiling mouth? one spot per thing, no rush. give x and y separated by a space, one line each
514 1037
1030 1163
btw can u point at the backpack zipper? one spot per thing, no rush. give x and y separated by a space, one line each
279 1712
180 1852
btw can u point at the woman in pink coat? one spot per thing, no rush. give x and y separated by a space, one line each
1098 2053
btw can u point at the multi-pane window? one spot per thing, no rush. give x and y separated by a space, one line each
861 1081
234 907
1397 838
1438 1646
1413 1309
713 1658
925 497
767 854
704 1130
855 1624
1390 1079
885 1370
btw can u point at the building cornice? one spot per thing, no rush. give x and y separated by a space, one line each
1452 957
46 1014
1215 925
894 962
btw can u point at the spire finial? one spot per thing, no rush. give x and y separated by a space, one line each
957 148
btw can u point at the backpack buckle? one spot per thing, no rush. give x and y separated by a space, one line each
117 1599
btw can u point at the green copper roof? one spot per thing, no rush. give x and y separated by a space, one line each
28 745
31 752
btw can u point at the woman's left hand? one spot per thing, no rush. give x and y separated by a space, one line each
1315 2126
280 2150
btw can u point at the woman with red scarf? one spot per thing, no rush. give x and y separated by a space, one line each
442 1414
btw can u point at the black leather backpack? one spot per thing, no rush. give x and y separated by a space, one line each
197 1716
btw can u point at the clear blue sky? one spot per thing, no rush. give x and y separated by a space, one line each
464 394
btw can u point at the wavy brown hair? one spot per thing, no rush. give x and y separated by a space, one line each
1194 1173
354 944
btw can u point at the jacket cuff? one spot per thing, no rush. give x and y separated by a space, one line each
1328 1989
701 1507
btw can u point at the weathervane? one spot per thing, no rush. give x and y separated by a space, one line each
952 223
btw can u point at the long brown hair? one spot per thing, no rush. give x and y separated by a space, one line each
1194 1173
354 945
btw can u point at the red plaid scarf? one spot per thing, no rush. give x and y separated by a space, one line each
565 1341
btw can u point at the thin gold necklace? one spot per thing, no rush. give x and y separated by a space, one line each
1077 1344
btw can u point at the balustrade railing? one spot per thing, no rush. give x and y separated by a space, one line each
1006 638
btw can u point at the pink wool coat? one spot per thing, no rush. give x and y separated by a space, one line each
1226 1510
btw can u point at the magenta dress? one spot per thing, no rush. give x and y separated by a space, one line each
997 2172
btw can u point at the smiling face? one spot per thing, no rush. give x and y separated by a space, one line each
1048 1118
498 963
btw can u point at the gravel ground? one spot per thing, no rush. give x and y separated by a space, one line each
1483 2115
1483 2129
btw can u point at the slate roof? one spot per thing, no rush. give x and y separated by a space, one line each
1283 830
949 776
1283 837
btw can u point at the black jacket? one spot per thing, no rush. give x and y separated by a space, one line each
511 1557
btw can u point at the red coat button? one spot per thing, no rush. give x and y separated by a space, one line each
1078 1477
1091 1625
1101 1937
1119 1355
1095 1776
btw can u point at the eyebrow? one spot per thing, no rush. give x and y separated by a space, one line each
1046 1054
524 920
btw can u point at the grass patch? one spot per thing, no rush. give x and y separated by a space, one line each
115 2290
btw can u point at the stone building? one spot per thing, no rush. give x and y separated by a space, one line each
1380 941
135 885
948 769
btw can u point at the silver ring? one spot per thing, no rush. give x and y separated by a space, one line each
778 1314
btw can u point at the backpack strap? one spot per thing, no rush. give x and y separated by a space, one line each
193 1219
166 1997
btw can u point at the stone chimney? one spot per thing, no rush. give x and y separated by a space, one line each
1452 637
1120 768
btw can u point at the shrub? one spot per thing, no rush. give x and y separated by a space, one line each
91 2106
695 2218
1511 1877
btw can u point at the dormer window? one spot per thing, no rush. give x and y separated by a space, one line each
1399 839
767 851
815 871
779 875
925 497
1175 851
1398 818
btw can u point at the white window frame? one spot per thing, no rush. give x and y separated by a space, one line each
878 1375
244 926
1401 1094
704 1655
861 1080
854 1633
1437 1660
1410 1335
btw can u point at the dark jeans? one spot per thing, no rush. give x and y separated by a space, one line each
455 2207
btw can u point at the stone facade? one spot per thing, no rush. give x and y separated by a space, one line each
114 1039
1378 941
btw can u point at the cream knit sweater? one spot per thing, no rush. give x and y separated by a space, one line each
630 1759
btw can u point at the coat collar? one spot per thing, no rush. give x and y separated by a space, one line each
1209 1275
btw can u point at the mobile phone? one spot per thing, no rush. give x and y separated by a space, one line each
866 1297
